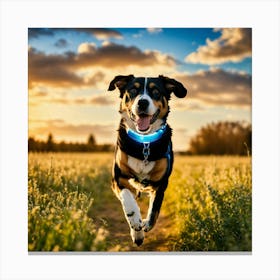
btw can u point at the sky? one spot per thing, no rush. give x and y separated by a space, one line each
69 71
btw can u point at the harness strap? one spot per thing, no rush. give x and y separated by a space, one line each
169 156
147 148
144 147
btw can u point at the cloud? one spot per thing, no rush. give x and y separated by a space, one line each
93 78
38 96
187 105
214 87
114 55
233 45
61 70
97 100
217 87
52 70
102 100
61 43
154 30
99 33
103 33
56 70
38 32
143 32
62 130
86 48
40 93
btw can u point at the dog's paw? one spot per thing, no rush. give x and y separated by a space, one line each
134 220
146 225
137 236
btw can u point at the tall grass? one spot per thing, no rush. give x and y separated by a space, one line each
211 198
61 191
208 201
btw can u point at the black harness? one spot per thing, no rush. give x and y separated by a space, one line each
147 148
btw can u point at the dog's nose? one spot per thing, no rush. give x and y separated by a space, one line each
143 104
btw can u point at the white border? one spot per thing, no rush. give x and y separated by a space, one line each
262 16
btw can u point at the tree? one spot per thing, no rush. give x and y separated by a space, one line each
222 138
91 140
31 144
51 146
50 143
91 143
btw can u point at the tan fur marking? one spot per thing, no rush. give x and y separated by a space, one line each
121 160
159 169
151 85
116 189
163 109
137 85
155 174
124 182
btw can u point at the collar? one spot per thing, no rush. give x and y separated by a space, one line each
142 138
149 147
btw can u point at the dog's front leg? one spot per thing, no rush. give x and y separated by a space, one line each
153 211
132 215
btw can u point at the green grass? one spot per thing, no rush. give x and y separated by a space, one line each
61 191
213 203
208 199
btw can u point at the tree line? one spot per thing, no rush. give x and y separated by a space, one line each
222 138
51 146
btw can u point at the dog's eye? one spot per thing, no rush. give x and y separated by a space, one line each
133 92
156 93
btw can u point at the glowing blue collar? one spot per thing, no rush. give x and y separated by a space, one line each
141 138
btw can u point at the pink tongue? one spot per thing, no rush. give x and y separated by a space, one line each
143 122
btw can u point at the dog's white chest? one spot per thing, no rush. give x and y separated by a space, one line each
140 168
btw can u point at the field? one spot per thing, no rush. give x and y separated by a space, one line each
71 207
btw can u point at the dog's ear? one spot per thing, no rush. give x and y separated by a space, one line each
173 86
120 82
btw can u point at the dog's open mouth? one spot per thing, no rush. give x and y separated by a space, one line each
144 121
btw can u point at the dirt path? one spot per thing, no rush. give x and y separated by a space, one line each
110 216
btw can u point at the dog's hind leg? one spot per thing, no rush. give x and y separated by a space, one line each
133 216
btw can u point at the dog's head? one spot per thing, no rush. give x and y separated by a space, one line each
144 104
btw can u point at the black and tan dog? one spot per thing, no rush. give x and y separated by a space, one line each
143 155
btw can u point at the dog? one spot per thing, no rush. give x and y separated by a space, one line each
143 154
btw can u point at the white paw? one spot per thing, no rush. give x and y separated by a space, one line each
134 220
146 225
137 236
